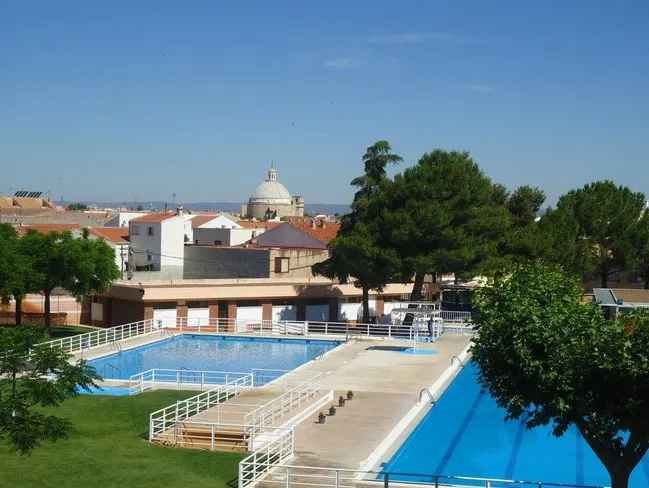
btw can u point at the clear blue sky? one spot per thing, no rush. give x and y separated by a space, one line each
114 101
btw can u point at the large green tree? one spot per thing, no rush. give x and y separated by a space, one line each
33 377
59 260
356 251
550 359
605 214
443 215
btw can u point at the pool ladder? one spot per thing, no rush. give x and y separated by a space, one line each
454 358
114 368
430 395
116 345
167 332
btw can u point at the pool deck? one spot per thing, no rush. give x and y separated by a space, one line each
385 383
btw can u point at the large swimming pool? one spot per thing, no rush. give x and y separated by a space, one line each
212 353
464 435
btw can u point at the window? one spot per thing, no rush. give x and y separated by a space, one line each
149 231
198 304
149 257
248 303
164 305
135 230
218 243
281 265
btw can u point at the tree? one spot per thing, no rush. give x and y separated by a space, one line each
640 248
80 266
444 215
355 251
29 378
78 206
550 359
15 270
605 214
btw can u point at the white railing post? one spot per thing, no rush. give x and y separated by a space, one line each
288 477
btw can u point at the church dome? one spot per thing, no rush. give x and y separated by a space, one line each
271 191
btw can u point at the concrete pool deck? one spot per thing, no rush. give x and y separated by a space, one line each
386 385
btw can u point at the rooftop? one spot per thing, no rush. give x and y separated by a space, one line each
47 228
252 224
321 230
155 217
118 235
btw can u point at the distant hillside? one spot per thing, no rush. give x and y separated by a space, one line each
313 208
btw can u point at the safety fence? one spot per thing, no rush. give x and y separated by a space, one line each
253 469
286 403
180 379
101 337
169 417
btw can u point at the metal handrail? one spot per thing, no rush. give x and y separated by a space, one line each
430 395
458 360
115 368
331 477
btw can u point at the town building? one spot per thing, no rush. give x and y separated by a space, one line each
271 200
116 238
157 242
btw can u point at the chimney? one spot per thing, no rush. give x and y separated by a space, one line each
313 224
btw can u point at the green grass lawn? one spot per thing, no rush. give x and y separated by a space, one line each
108 449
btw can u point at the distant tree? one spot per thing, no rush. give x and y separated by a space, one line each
557 241
640 248
355 252
549 359
139 208
15 270
606 214
32 377
77 206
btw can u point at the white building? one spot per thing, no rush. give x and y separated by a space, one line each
207 221
272 200
117 238
158 241
122 218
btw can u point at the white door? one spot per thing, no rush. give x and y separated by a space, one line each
164 318
284 312
198 316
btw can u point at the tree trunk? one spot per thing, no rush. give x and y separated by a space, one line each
418 286
48 327
366 305
619 480
604 275
646 281
19 311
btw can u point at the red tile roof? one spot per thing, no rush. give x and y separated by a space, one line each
202 219
323 231
47 228
118 235
250 224
154 217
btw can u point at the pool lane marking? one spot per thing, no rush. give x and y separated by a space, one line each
459 434
516 447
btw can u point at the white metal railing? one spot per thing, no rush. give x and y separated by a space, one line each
266 457
101 337
179 378
290 400
457 317
169 417
251 470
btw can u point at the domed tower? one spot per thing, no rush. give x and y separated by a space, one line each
271 199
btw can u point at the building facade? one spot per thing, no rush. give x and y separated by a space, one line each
272 200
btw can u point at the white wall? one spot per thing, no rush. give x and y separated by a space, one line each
249 313
228 237
198 316
220 222
173 242
317 313
122 219
348 311
284 312
388 306
143 243
167 315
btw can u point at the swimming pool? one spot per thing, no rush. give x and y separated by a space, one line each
211 353
464 435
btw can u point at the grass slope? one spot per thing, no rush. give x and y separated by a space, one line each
107 450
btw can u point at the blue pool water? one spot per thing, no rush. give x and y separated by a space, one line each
106 390
464 435
212 353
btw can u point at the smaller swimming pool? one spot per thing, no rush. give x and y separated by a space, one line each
106 390
212 353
